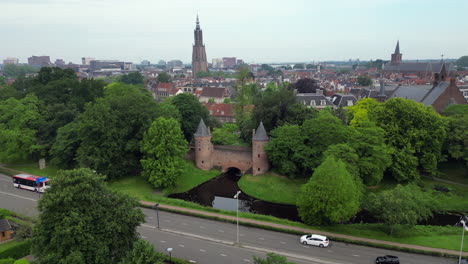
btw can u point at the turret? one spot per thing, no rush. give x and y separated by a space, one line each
203 147
260 163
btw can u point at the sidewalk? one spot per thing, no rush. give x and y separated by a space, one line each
307 231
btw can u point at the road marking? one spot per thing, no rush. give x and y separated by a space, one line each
284 243
223 255
34 200
331 251
143 237
261 238
202 250
355 255
306 246
222 231
246 260
148 226
162 241
192 261
202 227
150 217
184 224
181 246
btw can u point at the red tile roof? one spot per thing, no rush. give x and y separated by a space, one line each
220 109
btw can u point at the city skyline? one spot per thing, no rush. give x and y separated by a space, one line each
260 31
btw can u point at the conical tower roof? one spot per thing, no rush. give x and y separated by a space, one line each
397 49
202 130
260 134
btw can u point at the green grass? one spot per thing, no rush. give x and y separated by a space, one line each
191 178
7 245
271 187
456 171
33 168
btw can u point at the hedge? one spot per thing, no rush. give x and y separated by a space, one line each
17 250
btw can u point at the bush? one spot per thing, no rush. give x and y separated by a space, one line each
17 250
7 261
24 232
21 261
441 188
4 213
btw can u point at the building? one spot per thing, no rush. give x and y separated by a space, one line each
39 61
246 159
224 113
343 100
314 100
6 231
87 61
218 95
217 63
239 62
145 63
59 62
106 65
199 61
10 60
424 69
175 64
229 62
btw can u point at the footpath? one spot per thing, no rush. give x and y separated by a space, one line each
369 241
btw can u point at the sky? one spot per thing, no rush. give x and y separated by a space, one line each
257 31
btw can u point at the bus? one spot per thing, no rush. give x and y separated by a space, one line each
31 182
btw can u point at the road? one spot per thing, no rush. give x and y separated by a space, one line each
207 241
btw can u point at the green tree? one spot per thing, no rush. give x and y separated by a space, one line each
362 111
463 62
132 78
415 133
142 253
299 66
164 147
306 85
403 205
191 111
330 196
310 66
167 110
272 258
163 77
456 142
228 134
15 70
20 121
227 101
82 221
364 80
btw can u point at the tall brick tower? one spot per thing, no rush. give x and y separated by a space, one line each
260 163
199 61
203 147
396 57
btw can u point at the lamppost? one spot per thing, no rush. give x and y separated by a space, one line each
237 198
156 206
169 250
463 222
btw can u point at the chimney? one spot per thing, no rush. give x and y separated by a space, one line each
382 88
436 78
253 132
319 92
453 81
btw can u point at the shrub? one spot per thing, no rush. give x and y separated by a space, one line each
24 232
7 261
441 188
21 261
17 250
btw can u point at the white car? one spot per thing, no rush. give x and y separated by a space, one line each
315 240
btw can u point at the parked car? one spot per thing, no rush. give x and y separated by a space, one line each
388 259
315 240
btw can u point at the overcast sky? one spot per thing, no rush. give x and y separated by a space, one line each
253 30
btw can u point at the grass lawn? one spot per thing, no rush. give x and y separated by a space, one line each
456 171
33 168
191 178
271 187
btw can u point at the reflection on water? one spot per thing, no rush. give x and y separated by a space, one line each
230 204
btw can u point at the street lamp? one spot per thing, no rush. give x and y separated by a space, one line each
237 198
156 207
463 222
169 250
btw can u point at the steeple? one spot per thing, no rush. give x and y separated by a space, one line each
198 23
260 134
202 130
199 61
397 49
396 57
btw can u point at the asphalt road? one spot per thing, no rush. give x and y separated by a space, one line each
206 241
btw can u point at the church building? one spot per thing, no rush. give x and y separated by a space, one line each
199 61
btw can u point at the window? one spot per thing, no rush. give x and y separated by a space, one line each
323 102
258 169
202 161
259 155
350 102
3 234
312 102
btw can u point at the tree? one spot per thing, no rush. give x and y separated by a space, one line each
167 110
456 142
163 77
164 147
415 134
299 66
132 78
306 85
142 253
462 62
191 111
20 121
330 196
364 80
272 258
310 66
15 70
228 134
82 221
403 205
362 111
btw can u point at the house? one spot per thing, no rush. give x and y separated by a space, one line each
343 100
6 231
224 113
315 100
439 95
216 93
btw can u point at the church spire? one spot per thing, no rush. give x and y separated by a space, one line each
397 49
198 23
396 57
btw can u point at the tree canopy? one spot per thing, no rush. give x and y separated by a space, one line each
463 62
142 253
228 134
364 80
330 196
164 147
191 112
306 85
132 78
272 258
15 70
82 221
163 77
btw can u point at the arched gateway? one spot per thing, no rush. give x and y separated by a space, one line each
246 159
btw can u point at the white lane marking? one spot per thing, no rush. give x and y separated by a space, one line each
246 260
223 255
222 231
202 227
355 255
148 226
331 251
181 246
284 243
202 250
184 224
162 241
261 238
192 261
306 246
150 217
34 200
143 237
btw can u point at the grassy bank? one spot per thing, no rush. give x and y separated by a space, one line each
31 168
271 187
456 171
191 178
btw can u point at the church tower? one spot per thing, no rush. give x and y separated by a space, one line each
203 147
199 61
396 57
260 163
